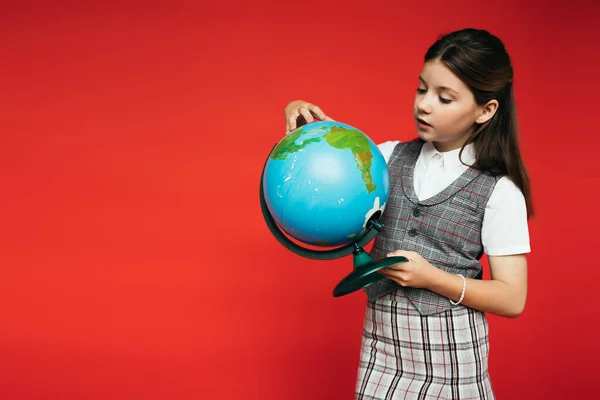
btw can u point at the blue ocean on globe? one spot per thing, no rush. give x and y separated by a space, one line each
324 181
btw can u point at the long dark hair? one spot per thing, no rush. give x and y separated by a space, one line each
480 60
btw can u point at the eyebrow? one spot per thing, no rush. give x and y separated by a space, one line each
446 88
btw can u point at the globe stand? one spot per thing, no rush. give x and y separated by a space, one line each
365 266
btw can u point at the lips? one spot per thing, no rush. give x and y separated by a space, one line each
423 122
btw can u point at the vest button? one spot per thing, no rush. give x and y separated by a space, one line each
417 212
412 233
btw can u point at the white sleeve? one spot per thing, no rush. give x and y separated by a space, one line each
387 148
505 230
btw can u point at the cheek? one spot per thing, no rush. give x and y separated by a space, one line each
457 119
467 119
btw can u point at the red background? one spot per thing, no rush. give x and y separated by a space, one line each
134 260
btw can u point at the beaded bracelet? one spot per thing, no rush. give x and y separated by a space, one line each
462 295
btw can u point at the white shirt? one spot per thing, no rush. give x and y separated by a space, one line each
505 230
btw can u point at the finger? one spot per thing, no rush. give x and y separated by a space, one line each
291 122
403 253
399 277
398 267
316 110
305 112
395 276
390 272
329 119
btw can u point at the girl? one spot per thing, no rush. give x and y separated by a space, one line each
456 192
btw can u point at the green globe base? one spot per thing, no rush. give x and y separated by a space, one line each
365 272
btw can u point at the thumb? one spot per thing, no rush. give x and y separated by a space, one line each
397 253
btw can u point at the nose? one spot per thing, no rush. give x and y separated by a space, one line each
423 104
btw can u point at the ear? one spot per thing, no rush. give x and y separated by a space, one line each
487 111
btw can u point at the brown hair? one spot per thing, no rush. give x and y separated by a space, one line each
480 60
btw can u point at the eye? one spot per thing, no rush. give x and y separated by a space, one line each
421 90
445 101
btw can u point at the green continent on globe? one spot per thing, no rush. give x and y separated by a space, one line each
342 138
288 145
337 137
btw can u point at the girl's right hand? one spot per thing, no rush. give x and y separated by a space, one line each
304 109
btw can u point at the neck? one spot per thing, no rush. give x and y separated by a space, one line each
443 147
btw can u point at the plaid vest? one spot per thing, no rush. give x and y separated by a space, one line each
445 229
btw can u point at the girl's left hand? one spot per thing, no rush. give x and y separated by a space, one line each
416 272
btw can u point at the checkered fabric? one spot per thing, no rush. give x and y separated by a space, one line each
445 229
406 355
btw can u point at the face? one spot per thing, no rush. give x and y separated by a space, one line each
445 110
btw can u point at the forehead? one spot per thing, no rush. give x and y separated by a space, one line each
435 73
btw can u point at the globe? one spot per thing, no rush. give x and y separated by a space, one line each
323 182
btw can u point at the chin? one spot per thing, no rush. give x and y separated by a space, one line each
425 136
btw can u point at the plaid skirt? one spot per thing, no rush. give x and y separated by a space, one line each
405 355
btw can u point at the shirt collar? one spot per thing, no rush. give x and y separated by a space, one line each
450 158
